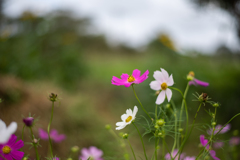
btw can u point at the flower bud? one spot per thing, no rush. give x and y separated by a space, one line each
34 141
180 129
157 93
190 76
215 105
53 97
203 97
75 149
213 123
125 136
28 121
25 158
156 126
108 127
160 122
168 106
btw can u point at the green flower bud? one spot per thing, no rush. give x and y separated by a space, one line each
160 122
53 97
190 78
156 126
168 106
121 134
25 158
125 136
180 129
108 127
213 123
75 149
215 105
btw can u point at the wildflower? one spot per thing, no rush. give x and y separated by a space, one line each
6 132
218 127
204 142
234 141
127 80
56 158
28 121
93 153
194 81
163 80
127 118
168 157
189 158
53 97
125 136
218 144
53 135
9 150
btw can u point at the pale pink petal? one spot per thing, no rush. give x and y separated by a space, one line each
165 74
43 134
213 154
169 94
160 98
170 81
95 152
85 152
155 85
136 73
218 144
158 76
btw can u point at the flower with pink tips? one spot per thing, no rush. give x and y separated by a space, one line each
194 81
127 80
204 142
162 82
9 150
57 138
91 153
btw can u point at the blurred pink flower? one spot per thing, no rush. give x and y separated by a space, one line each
55 158
204 143
189 158
234 141
195 81
53 135
92 153
218 127
218 144
168 157
127 80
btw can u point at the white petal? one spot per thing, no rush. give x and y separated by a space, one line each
12 127
2 125
135 110
120 123
6 133
124 117
129 112
165 74
158 76
4 137
161 97
155 85
169 94
121 127
170 81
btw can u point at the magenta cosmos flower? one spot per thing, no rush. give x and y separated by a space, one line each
195 81
234 141
10 149
127 80
204 143
55 158
162 82
53 135
168 157
218 127
92 153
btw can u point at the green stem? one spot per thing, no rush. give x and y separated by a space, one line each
214 125
175 115
156 144
216 134
132 149
141 103
22 135
35 147
141 140
49 125
167 149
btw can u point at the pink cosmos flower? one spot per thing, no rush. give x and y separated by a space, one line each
189 158
55 158
204 143
218 127
9 150
195 81
127 80
234 141
218 144
168 157
53 135
92 153
162 82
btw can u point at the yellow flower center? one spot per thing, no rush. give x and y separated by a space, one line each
131 79
191 73
6 149
164 86
129 119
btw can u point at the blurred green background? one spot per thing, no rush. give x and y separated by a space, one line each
40 55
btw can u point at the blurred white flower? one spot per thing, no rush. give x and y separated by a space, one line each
162 82
6 132
127 118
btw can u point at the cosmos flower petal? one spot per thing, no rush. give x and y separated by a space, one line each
165 74
42 134
142 77
6 132
120 123
158 76
160 98
19 144
2 125
135 110
170 81
85 152
97 153
124 116
169 94
129 112
124 76
213 155
121 127
155 85
17 155
201 83
136 73
8 157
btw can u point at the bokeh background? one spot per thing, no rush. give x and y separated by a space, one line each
73 48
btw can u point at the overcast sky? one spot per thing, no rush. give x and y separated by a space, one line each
136 22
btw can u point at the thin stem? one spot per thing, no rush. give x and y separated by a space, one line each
214 117
49 125
132 149
141 103
166 148
156 144
216 134
175 115
22 135
141 140
35 147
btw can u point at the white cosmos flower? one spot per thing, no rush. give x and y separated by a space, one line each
127 118
6 132
161 83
